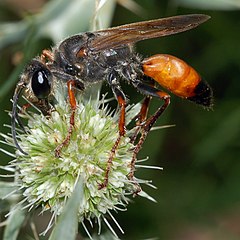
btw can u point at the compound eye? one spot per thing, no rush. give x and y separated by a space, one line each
41 86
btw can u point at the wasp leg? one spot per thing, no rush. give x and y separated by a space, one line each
122 130
47 54
25 107
146 126
141 117
72 100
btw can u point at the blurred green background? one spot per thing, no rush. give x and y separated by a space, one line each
198 191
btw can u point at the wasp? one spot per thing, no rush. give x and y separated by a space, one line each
108 55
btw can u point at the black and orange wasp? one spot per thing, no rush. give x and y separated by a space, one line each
108 55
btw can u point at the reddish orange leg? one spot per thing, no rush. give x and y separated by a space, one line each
47 54
141 117
25 107
122 130
146 127
72 100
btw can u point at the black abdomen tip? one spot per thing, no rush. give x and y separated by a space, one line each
203 95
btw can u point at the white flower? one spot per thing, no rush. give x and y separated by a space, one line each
48 181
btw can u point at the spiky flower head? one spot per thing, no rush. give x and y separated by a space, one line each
48 181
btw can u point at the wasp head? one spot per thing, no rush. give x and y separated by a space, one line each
36 81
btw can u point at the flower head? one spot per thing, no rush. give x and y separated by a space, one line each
48 181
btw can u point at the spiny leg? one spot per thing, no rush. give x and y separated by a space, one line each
146 127
122 130
141 117
72 100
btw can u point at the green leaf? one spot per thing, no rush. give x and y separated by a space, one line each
14 223
6 188
213 4
67 225
214 144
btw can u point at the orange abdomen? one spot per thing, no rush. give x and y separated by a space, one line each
173 74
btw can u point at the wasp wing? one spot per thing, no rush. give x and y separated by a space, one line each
131 33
